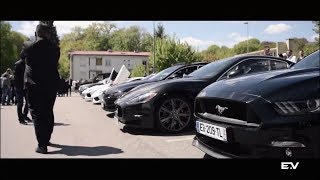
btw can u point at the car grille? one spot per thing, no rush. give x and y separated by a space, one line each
230 109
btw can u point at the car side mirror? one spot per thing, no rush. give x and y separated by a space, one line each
234 73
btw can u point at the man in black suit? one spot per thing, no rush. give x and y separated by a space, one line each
19 68
41 81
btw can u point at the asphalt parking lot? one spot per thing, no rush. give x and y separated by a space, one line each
83 130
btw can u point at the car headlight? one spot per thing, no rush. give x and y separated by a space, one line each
298 107
117 94
142 98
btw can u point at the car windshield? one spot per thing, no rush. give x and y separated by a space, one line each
212 69
164 73
310 61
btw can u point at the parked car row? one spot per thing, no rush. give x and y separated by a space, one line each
244 106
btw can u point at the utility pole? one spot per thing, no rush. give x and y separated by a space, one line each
247 23
154 48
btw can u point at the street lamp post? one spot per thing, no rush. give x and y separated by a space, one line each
154 48
247 23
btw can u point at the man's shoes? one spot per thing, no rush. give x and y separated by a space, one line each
27 119
42 150
23 122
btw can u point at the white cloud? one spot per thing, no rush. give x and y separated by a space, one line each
312 38
64 27
198 43
28 27
236 38
277 28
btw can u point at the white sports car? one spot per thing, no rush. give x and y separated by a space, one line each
121 77
97 95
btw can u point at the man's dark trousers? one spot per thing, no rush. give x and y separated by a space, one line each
41 104
20 95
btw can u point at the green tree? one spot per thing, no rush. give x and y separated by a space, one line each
170 51
310 48
139 71
160 32
133 38
301 42
241 48
11 45
267 43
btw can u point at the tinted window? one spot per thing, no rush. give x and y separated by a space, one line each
247 67
275 65
164 73
184 71
310 61
213 68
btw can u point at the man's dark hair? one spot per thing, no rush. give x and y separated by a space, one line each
266 47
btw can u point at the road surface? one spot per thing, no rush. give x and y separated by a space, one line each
83 130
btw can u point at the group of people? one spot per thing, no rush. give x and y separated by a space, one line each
36 79
7 90
65 87
287 55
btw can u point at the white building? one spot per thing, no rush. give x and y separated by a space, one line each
87 64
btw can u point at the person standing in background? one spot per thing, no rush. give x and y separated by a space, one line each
290 57
301 55
6 85
19 69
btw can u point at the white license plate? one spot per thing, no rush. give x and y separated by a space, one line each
213 131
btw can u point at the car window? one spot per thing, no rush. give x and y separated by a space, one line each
276 65
248 66
213 68
164 73
185 71
310 61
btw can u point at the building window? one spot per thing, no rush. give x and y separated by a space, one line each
108 62
98 61
83 63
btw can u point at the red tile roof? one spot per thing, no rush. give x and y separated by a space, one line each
110 53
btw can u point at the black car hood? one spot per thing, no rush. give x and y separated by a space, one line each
275 85
160 85
127 85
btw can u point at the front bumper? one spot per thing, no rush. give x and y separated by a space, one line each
109 104
138 115
96 100
257 142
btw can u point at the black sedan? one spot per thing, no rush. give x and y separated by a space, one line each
270 115
168 105
176 71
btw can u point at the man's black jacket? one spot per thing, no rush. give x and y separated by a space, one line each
41 70
19 68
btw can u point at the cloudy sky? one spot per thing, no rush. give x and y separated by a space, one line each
200 34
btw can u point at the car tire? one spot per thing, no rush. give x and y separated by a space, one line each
187 104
